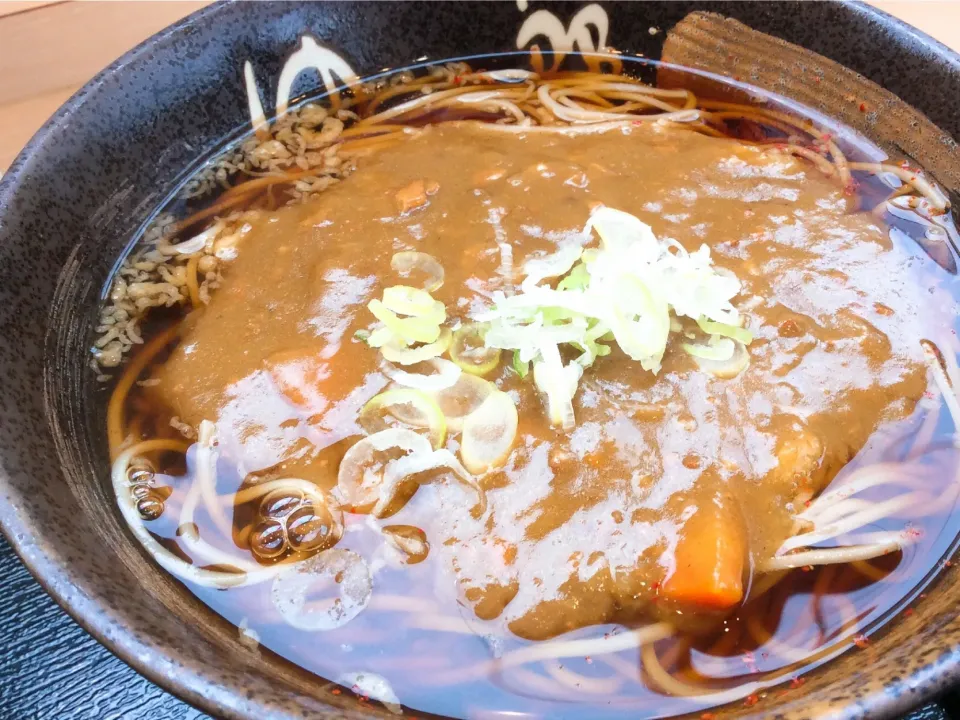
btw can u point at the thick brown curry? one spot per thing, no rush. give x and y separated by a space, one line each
582 527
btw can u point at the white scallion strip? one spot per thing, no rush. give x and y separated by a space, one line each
627 291
558 383
550 266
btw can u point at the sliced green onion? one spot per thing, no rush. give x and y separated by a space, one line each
489 433
550 266
729 367
462 398
411 356
731 331
410 329
719 349
412 407
435 374
405 300
632 290
380 337
360 478
577 279
405 263
469 351
521 368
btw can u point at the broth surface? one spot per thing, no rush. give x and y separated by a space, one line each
581 528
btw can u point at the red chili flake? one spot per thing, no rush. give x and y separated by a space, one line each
817 79
457 80
861 641
807 568
797 682
908 612
863 107
751 700
637 123
748 657
806 503
947 563
336 691
655 585
708 716
826 137
912 532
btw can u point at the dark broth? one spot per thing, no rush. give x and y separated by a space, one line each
436 654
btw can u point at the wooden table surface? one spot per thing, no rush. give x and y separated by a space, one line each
44 59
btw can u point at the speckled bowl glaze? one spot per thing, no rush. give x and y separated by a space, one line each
93 174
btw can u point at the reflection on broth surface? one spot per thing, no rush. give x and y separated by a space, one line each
466 434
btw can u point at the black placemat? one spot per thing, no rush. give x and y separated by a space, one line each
50 669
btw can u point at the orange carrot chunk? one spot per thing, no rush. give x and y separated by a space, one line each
709 559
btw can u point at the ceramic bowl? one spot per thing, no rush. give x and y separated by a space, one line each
93 174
